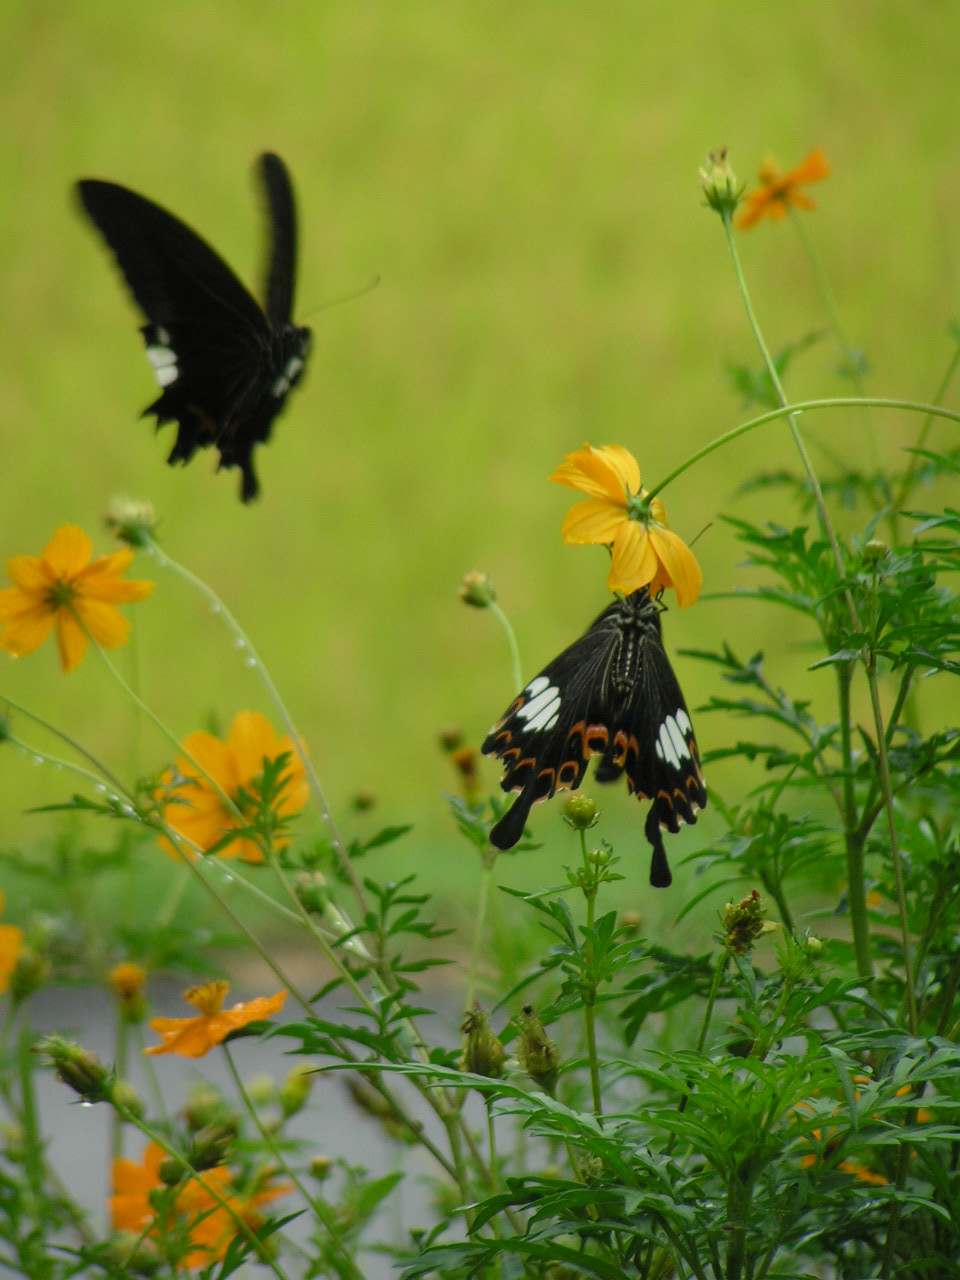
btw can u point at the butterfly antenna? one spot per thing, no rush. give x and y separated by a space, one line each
345 297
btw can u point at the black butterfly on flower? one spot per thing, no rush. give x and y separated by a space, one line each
611 694
224 364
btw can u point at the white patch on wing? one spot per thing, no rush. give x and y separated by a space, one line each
291 371
164 361
542 708
671 743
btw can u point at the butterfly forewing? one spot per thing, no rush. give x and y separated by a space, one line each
613 694
224 365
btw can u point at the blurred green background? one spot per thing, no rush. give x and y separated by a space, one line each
522 180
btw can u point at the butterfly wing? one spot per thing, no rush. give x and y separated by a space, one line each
223 369
549 732
612 693
282 218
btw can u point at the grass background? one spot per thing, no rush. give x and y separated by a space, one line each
522 180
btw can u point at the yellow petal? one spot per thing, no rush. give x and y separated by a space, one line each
680 564
607 472
593 520
25 631
67 552
71 639
105 624
30 574
633 562
252 737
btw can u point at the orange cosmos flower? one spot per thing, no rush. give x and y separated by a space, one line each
195 807
61 588
193 1037
644 551
778 190
11 944
208 1226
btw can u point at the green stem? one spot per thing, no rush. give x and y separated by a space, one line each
192 1174
853 832
102 769
850 355
508 631
590 885
801 406
483 902
321 1209
254 661
914 462
718 973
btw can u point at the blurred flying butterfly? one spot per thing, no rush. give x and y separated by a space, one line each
611 694
224 365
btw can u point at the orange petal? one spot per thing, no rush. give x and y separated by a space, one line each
605 472
252 737
811 169
632 561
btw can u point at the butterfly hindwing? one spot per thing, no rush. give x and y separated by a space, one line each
224 365
612 693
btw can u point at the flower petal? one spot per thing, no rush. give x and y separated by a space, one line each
72 640
68 552
26 628
593 520
680 564
609 471
30 574
104 622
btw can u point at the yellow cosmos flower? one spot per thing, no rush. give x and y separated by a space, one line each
195 807
193 1037
11 944
61 588
778 190
644 551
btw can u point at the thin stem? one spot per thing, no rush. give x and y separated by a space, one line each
483 902
853 832
501 617
801 406
254 661
320 1207
192 1174
590 886
712 998
925 428
70 742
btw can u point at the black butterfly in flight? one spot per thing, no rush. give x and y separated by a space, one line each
224 365
611 694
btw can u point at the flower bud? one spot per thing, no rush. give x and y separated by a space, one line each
296 1089
320 1167
128 981
204 1106
131 520
482 1051
580 811
211 1144
477 590
718 183
29 974
132 1255
536 1052
874 550
78 1068
311 890
124 1096
743 924
171 1172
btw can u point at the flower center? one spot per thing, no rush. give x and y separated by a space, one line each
207 998
61 594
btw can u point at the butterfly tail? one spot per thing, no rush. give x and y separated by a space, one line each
509 829
660 876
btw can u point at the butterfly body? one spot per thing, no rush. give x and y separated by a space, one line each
611 694
224 364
